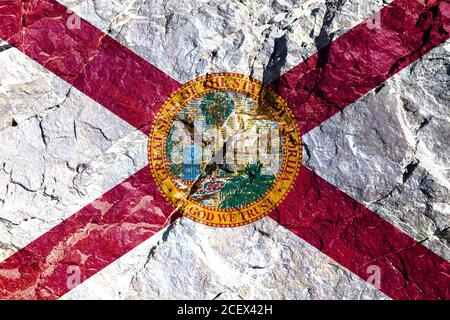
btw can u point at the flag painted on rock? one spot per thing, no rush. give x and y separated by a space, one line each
239 150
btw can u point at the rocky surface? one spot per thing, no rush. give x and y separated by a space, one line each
190 38
390 150
59 150
258 261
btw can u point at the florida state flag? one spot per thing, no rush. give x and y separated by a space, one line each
192 149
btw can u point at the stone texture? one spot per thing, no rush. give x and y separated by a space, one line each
390 150
215 36
258 261
64 151
387 150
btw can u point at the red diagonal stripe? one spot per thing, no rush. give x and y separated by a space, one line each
362 59
357 238
90 240
90 60
323 85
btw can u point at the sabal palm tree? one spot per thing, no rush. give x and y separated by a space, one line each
216 107
246 188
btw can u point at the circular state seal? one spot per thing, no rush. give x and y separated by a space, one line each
225 150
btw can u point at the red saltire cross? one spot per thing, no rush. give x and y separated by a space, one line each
315 210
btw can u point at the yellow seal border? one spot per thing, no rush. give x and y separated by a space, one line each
267 99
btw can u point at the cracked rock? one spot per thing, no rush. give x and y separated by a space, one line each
60 150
